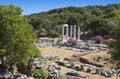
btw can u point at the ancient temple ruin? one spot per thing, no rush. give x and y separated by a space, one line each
70 31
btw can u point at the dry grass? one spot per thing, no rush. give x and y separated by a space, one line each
51 51
105 58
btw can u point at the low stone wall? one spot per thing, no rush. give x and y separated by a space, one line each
83 60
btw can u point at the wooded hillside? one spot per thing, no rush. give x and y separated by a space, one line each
97 19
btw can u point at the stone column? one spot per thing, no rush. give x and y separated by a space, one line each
62 32
67 32
75 31
71 31
78 33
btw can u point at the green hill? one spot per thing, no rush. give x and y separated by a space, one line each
96 19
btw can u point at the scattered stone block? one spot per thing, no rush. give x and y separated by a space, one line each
72 73
98 71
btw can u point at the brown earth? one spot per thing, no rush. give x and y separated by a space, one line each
51 51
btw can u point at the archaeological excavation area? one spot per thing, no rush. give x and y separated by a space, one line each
85 61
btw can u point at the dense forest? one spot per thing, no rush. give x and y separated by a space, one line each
102 20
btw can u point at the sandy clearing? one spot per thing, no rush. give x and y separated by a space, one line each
62 53
51 51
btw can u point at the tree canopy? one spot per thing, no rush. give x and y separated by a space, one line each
16 36
90 18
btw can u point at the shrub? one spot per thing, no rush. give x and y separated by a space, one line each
40 74
99 39
28 73
72 41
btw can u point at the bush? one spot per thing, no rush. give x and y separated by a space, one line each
72 41
99 39
40 74
28 73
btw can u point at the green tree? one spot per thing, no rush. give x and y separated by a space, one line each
53 34
115 46
72 20
98 26
115 54
16 36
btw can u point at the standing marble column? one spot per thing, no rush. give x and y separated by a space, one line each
78 33
62 32
71 31
67 32
75 31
